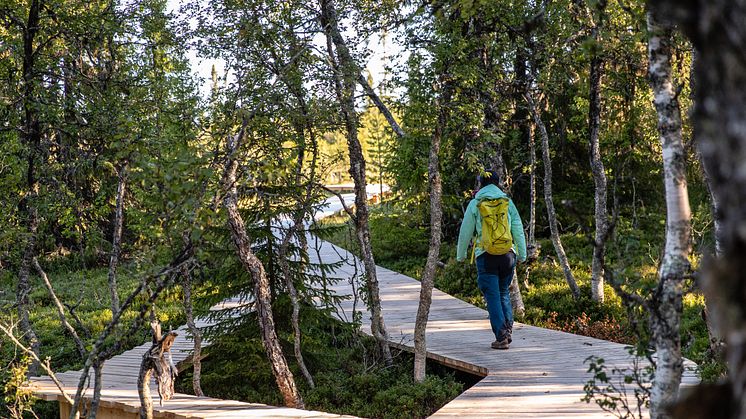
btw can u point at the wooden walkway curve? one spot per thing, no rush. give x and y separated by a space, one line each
541 375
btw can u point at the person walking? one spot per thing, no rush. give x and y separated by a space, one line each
500 240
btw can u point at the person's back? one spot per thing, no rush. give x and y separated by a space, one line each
494 271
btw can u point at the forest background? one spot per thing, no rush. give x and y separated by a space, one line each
131 193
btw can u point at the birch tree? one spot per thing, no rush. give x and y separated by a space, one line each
719 118
665 319
252 264
346 76
31 134
116 242
186 285
551 214
436 217
597 164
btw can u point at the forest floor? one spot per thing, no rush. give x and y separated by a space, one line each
400 243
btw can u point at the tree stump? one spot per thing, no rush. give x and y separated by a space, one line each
158 359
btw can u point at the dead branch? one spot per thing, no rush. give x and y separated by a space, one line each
60 308
96 352
8 331
380 105
347 209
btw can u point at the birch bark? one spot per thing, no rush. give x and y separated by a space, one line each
346 77
599 174
551 214
666 316
31 135
186 277
262 293
436 216
116 242
718 34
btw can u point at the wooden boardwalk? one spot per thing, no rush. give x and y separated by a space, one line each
541 375
119 398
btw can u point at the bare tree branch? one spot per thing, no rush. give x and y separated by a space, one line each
380 105
60 308
8 331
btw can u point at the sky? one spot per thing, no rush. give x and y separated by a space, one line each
202 67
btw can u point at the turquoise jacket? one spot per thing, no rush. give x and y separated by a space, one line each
473 222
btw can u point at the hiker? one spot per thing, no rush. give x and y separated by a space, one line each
499 241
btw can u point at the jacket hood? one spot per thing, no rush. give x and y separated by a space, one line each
490 192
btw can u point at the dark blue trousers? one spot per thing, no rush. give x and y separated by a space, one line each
494 274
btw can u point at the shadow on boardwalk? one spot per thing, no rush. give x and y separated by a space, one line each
541 375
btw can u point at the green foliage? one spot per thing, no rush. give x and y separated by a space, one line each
350 377
17 400
624 392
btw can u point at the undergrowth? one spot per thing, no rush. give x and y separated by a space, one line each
349 375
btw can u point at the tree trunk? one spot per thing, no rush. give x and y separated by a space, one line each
436 217
516 299
599 175
262 293
531 246
31 135
303 209
717 32
551 215
158 359
716 340
195 332
666 318
98 367
346 75
116 241
532 188
282 258
24 288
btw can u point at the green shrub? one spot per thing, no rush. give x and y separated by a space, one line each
349 376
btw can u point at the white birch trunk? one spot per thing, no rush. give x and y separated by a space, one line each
283 376
195 332
666 318
551 215
516 299
346 75
532 188
116 241
599 177
436 216
716 30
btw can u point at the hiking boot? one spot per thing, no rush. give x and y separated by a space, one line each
501 344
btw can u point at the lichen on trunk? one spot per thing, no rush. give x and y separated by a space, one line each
665 317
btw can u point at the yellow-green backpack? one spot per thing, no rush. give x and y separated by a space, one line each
496 236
